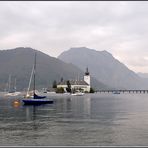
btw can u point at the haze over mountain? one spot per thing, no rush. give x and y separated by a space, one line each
18 63
104 67
143 75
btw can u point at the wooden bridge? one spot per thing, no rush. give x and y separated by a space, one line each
123 91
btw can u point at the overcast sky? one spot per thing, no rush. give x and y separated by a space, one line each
119 27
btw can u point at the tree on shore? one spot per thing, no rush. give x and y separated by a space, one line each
68 86
60 90
92 90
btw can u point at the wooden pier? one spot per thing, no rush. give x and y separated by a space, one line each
123 91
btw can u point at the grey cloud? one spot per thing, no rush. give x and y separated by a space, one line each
119 27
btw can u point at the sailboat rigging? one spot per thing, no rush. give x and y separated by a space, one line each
35 95
36 99
28 94
12 90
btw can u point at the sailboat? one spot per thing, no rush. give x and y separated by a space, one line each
12 92
35 99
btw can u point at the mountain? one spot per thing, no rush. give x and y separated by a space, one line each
104 67
142 75
18 63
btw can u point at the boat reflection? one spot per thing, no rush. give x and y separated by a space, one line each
74 107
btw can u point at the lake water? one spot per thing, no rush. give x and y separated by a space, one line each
100 119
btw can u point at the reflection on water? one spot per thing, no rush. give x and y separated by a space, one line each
92 120
16 103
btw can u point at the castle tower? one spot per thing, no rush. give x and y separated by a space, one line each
87 78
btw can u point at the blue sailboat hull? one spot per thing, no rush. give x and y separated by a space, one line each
37 101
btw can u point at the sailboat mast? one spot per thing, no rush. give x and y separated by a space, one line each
30 81
9 83
34 72
15 85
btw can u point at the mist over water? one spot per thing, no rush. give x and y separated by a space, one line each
101 119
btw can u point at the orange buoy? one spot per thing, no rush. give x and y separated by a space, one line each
16 103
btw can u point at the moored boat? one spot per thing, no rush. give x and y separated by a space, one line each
116 92
77 94
35 99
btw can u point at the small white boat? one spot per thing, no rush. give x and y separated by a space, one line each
11 91
12 94
116 92
78 94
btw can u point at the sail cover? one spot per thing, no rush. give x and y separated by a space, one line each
38 97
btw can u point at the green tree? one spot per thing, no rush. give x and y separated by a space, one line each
54 85
92 90
60 90
68 86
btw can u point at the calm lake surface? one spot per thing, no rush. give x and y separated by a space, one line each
101 119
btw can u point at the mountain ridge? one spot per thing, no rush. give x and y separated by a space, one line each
19 62
104 67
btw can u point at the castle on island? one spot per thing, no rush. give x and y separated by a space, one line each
83 85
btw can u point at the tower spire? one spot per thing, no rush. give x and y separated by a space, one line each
86 73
